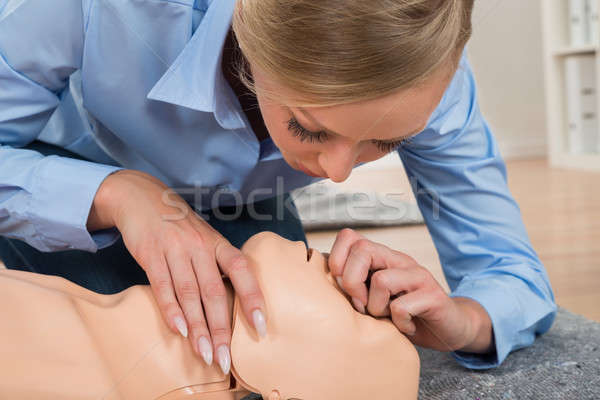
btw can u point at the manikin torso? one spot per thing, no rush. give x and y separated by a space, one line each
61 341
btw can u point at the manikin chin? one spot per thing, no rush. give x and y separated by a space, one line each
61 341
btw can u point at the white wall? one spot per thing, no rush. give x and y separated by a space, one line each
506 55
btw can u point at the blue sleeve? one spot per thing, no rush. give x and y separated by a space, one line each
459 180
44 201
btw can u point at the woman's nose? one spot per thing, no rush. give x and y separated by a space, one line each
338 161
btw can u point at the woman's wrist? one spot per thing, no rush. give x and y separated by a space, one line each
479 335
100 215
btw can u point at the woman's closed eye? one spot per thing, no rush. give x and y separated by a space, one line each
387 147
306 135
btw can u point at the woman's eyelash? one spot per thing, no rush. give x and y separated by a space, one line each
387 147
303 133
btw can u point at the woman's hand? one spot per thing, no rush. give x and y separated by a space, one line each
181 255
385 282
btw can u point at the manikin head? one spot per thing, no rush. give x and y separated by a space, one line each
317 346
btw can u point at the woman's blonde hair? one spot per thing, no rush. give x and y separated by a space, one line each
334 52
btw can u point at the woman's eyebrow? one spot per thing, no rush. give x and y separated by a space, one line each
324 128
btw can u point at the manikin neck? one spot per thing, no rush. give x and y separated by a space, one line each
237 388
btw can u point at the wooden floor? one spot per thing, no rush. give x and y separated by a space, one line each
561 210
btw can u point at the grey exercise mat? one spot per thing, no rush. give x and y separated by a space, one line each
322 207
563 364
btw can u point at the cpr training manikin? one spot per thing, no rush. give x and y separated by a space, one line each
62 341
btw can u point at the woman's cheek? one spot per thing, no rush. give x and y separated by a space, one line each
370 153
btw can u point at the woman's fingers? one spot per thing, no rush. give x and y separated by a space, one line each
162 287
351 280
380 293
424 330
410 293
416 303
235 265
216 307
188 293
356 270
401 317
386 283
340 249
351 260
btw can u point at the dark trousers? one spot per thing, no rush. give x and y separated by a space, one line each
113 269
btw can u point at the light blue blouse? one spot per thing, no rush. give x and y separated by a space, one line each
137 84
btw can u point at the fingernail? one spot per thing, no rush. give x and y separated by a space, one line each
339 281
181 326
359 305
224 359
205 350
411 333
259 323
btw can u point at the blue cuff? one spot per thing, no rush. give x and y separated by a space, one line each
64 190
105 237
498 300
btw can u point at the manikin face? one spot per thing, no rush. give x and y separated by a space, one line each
330 141
317 345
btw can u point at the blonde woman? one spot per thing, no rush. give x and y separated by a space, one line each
144 141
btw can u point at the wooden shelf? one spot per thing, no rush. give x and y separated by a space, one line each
555 33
